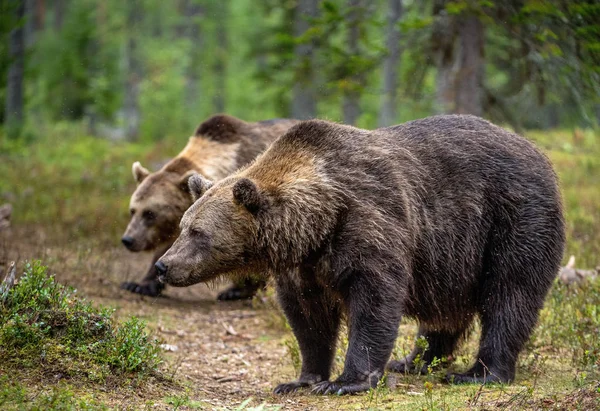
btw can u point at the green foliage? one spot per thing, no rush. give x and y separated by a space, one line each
75 70
576 158
293 350
542 60
570 325
13 395
6 25
77 183
44 325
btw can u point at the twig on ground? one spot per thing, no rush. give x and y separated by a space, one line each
569 274
9 281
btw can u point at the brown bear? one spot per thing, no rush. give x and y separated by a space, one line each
442 219
220 145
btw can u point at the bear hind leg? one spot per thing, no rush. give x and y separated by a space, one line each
518 274
440 346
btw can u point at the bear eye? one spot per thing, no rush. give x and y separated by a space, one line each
132 211
149 215
196 232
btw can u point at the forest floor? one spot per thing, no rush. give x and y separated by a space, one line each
229 355
70 196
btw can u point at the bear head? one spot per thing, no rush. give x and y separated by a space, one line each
218 232
156 207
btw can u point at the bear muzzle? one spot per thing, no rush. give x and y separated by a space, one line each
161 270
128 241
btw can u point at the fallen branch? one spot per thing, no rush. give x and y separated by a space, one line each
569 274
9 281
5 212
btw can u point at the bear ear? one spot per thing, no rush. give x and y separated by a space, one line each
139 172
246 193
184 181
198 185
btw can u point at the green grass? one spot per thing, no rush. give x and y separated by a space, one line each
79 186
576 158
15 396
47 329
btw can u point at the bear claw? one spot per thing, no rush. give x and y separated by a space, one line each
235 293
290 387
339 388
150 289
471 378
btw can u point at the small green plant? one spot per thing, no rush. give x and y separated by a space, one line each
294 351
419 363
59 397
45 325
570 322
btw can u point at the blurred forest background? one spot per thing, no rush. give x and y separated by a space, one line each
90 86
144 69
87 87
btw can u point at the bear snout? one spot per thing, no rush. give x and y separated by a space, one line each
161 269
127 241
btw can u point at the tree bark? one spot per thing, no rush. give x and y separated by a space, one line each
469 78
304 95
388 112
443 39
59 13
14 86
40 14
351 97
220 66
133 69
192 31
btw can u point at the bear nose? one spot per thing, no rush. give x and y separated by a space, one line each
127 241
161 269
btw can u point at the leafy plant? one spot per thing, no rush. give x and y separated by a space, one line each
45 325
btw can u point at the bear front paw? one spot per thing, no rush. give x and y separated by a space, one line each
473 378
235 293
289 387
150 288
406 367
340 388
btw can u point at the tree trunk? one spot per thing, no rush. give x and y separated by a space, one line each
133 69
351 98
40 14
192 78
220 66
388 111
14 86
468 86
443 39
59 13
35 10
29 23
304 95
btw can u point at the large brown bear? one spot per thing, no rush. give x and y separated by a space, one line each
220 145
443 219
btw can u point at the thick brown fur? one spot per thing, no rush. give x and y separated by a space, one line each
220 145
442 219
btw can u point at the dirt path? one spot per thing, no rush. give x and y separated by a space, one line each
220 353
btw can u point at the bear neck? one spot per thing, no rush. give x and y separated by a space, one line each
213 160
301 223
